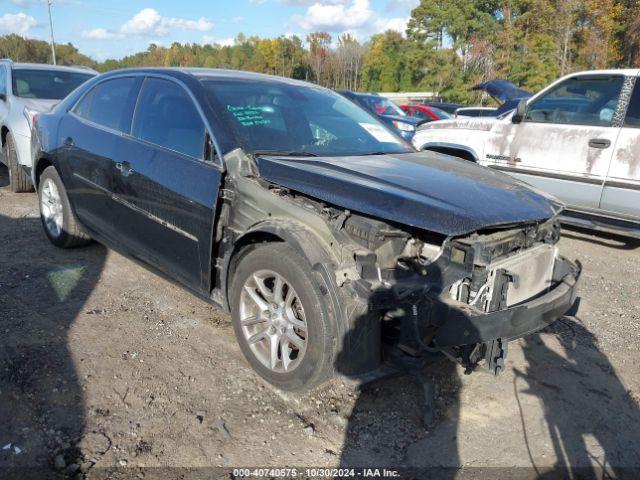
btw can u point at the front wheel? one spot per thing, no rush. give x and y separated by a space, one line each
280 318
58 220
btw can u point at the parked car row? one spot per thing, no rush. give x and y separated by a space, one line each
325 234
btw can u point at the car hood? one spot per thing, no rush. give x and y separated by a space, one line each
502 90
469 123
39 105
405 119
425 190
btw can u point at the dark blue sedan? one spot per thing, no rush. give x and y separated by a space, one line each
302 215
387 111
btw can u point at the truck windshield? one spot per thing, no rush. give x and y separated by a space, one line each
46 84
269 116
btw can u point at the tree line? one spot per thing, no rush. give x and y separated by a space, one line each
448 46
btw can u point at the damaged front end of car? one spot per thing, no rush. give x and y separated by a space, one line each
395 286
464 296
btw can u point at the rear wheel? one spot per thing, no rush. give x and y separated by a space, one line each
18 178
60 223
280 319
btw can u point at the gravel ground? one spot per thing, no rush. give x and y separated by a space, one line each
105 364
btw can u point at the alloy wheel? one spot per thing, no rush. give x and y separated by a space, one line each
273 321
51 208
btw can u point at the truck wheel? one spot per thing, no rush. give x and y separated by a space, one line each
18 178
280 318
60 223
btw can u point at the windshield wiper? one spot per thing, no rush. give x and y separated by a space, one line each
283 153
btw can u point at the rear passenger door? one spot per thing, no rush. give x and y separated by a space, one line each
621 195
169 183
92 133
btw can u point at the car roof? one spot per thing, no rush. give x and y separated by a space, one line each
46 66
449 104
631 72
202 74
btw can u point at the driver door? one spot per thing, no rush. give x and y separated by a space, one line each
564 145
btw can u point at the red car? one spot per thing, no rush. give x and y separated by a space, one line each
423 112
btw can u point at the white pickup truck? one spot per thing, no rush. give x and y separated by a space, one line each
578 139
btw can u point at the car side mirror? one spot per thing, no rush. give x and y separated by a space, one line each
520 113
3 97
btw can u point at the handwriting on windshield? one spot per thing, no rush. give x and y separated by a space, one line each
249 115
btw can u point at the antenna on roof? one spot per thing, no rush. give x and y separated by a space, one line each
53 48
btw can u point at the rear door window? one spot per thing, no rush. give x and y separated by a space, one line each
166 116
110 103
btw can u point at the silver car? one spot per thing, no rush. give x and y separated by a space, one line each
578 139
27 89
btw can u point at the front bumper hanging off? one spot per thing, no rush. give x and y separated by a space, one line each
466 325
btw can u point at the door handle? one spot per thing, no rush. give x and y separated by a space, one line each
68 142
124 168
599 143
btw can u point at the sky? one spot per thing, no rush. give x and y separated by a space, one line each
117 28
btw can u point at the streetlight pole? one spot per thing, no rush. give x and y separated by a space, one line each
53 48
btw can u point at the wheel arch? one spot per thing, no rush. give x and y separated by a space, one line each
298 236
453 149
40 164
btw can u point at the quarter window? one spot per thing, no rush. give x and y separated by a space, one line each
579 101
110 103
166 116
633 112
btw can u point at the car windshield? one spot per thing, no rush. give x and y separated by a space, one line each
277 117
441 114
46 84
382 106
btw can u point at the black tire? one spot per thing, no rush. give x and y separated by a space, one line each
18 178
71 234
316 365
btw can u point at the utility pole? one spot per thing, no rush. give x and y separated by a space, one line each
53 47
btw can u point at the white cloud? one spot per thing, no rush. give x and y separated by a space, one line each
333 16
101 34
223 42
149 23
19 23
352 16
397 24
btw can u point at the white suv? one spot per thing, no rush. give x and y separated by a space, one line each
27 89
578 139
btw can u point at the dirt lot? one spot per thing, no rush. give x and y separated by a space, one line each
105 364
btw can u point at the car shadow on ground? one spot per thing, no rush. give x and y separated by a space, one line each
572 382
42 291
592 418
605 239
410 418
